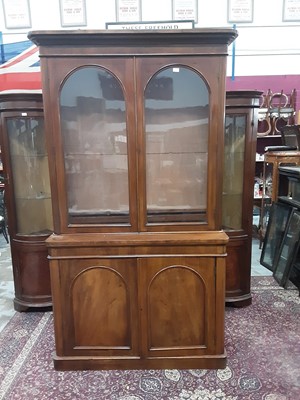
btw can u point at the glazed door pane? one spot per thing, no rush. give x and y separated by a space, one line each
29 165
176 131
279 217
233 178
93 124
288 249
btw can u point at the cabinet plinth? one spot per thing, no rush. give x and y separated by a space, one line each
137 259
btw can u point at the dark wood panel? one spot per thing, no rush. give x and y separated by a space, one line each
100 314
174 288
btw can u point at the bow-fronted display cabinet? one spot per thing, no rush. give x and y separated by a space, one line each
241 121
27 196
135 133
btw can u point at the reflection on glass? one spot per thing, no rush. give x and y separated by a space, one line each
176 128
288 249
234 149
295 189
29 163
93 125
279 215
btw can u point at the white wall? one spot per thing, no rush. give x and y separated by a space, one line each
267 46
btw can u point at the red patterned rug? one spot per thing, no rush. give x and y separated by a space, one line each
262 343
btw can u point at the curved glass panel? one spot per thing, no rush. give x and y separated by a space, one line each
93 124
29 164
176 128
233 179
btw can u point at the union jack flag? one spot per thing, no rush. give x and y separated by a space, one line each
19 67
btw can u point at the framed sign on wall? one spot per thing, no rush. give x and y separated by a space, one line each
185 10
291 10
240 10
16 14
128 10
72 12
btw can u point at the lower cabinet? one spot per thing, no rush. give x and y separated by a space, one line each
238 290
138 310
31 273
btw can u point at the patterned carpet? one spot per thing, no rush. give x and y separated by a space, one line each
262 343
